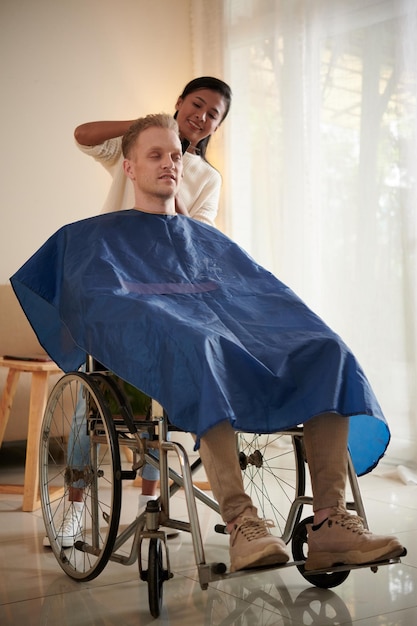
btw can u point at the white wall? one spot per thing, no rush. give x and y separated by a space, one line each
64 62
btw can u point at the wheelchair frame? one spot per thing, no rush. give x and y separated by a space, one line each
99 537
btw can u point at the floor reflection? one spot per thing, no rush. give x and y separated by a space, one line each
251 603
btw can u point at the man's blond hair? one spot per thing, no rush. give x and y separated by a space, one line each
155 120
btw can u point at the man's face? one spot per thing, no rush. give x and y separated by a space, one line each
155 163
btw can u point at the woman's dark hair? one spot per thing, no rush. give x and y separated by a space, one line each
214 84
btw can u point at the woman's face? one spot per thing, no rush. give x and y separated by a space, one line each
200 114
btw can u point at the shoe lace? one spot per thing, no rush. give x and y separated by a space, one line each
71 522
254 528
350 522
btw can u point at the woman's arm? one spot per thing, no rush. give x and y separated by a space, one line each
95 133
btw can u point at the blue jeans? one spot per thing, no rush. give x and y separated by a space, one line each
79 443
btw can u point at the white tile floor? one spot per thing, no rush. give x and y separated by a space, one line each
34 590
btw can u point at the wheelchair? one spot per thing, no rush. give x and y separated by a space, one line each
107 426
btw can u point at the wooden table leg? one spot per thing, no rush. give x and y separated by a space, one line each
7 400
38 398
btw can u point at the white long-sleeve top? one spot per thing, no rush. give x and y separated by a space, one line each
200 188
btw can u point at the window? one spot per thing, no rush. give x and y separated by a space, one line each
321 177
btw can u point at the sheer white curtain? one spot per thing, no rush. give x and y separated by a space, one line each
321 168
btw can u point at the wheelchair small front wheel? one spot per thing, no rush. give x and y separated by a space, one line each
156 577
299 550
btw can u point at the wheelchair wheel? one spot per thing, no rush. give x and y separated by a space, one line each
156 576
79 454
273 470
299 551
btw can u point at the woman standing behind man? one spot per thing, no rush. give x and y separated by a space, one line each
200 109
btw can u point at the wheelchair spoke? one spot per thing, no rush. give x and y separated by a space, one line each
79 455
273 474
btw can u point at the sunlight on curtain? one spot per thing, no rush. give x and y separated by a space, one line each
322 168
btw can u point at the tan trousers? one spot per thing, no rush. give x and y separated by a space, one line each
325 441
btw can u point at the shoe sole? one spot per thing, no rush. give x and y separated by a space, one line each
324 560
67 543
260 560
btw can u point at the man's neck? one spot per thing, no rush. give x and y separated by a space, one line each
158 206
154 210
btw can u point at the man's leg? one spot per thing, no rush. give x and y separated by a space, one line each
219 456
326 446
150 477
336 536
251 543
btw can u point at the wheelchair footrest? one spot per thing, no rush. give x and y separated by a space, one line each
373 565
128 474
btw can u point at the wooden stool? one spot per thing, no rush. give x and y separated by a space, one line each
40 371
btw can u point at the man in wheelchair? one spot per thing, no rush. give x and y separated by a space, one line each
177 309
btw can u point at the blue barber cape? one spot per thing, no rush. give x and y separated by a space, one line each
183 313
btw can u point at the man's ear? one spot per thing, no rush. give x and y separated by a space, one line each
127 167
